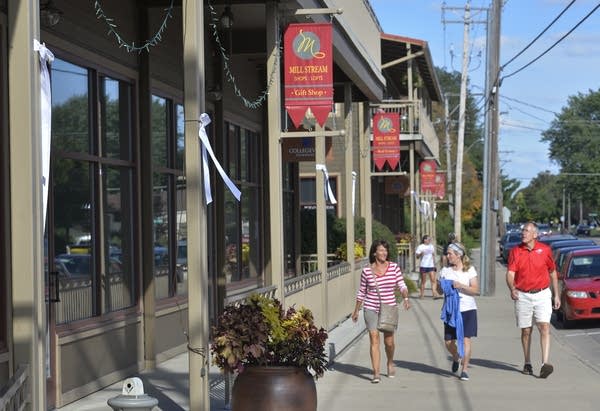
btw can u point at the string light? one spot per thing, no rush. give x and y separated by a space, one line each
112 29
262 97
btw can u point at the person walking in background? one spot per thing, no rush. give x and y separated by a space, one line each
459 282
529 273
426 252
444 258
384 275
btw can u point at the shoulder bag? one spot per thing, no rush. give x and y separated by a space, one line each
387 320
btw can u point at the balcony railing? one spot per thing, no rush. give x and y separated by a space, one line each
14 396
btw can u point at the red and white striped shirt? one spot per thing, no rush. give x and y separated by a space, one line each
388 282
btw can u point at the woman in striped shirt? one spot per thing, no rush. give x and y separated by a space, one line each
387 276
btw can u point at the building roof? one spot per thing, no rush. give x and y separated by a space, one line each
395 47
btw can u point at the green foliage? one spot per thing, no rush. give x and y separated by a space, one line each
381 231
259 332
540 201
573 145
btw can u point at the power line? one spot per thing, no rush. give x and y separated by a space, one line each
538 36
552 46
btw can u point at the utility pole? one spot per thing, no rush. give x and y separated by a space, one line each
461 125
491 188
448 157
467 21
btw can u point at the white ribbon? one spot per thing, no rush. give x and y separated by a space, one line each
46 58
354 174
328 191
426 207
206 147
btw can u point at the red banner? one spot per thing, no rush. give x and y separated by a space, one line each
427 170
308 65
440 184
386 140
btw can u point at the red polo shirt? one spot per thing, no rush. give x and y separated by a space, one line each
532 268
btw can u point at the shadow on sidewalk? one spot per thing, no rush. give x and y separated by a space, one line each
497 365
351 369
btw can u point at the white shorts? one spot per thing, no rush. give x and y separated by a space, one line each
536 306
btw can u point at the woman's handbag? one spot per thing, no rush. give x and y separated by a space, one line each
387 320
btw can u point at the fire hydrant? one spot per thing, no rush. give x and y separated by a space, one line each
132 397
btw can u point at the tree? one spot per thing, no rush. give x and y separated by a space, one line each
541 200
573 144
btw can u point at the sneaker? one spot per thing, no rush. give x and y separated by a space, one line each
464 376
454 366
546 370
528 369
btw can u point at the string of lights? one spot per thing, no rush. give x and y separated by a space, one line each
112 29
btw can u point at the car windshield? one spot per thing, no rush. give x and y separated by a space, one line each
584 266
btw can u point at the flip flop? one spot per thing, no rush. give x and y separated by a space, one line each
375 380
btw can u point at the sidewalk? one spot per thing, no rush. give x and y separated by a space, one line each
423 378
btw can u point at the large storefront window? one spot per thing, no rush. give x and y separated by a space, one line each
92 180
168 204
242 242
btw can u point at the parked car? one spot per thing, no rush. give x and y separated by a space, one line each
570 243
507 242
560 254
544 229
549 239
579 284
583 229
79 265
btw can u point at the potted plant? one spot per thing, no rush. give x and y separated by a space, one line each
275 354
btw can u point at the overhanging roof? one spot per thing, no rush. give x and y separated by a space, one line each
395 48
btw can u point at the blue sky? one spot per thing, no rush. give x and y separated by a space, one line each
530 98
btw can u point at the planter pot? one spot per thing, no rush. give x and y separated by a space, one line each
274 389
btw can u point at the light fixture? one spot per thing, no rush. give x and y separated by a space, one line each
226 20
49 14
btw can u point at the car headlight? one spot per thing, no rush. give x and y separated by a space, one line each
577 294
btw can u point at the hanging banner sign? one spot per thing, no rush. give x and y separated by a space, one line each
308 65
440 184
386 140
427 170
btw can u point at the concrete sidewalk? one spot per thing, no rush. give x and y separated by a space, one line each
423 377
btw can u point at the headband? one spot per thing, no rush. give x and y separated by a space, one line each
456 248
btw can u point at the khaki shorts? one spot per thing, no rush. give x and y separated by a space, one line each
536 306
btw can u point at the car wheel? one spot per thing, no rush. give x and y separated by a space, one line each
564 321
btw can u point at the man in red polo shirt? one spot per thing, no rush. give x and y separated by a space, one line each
529 272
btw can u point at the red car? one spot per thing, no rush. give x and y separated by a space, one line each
579 284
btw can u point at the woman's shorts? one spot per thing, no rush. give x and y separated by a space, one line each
469 326
424 270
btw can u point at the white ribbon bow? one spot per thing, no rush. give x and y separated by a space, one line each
46 58
328 191
354 174
206 147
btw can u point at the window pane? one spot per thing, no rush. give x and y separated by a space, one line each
245 161
232 238
118 201
115 117
233 141
73 239
181 256
160 208
159 132
250 255
70 108
179 161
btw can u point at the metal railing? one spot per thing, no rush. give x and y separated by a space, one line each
14 396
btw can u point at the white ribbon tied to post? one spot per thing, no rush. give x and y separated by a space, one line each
328 191
207 149
354 174
46 58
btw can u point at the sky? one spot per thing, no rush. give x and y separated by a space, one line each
530 99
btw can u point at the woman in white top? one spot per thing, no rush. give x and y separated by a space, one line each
426 252
464 280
